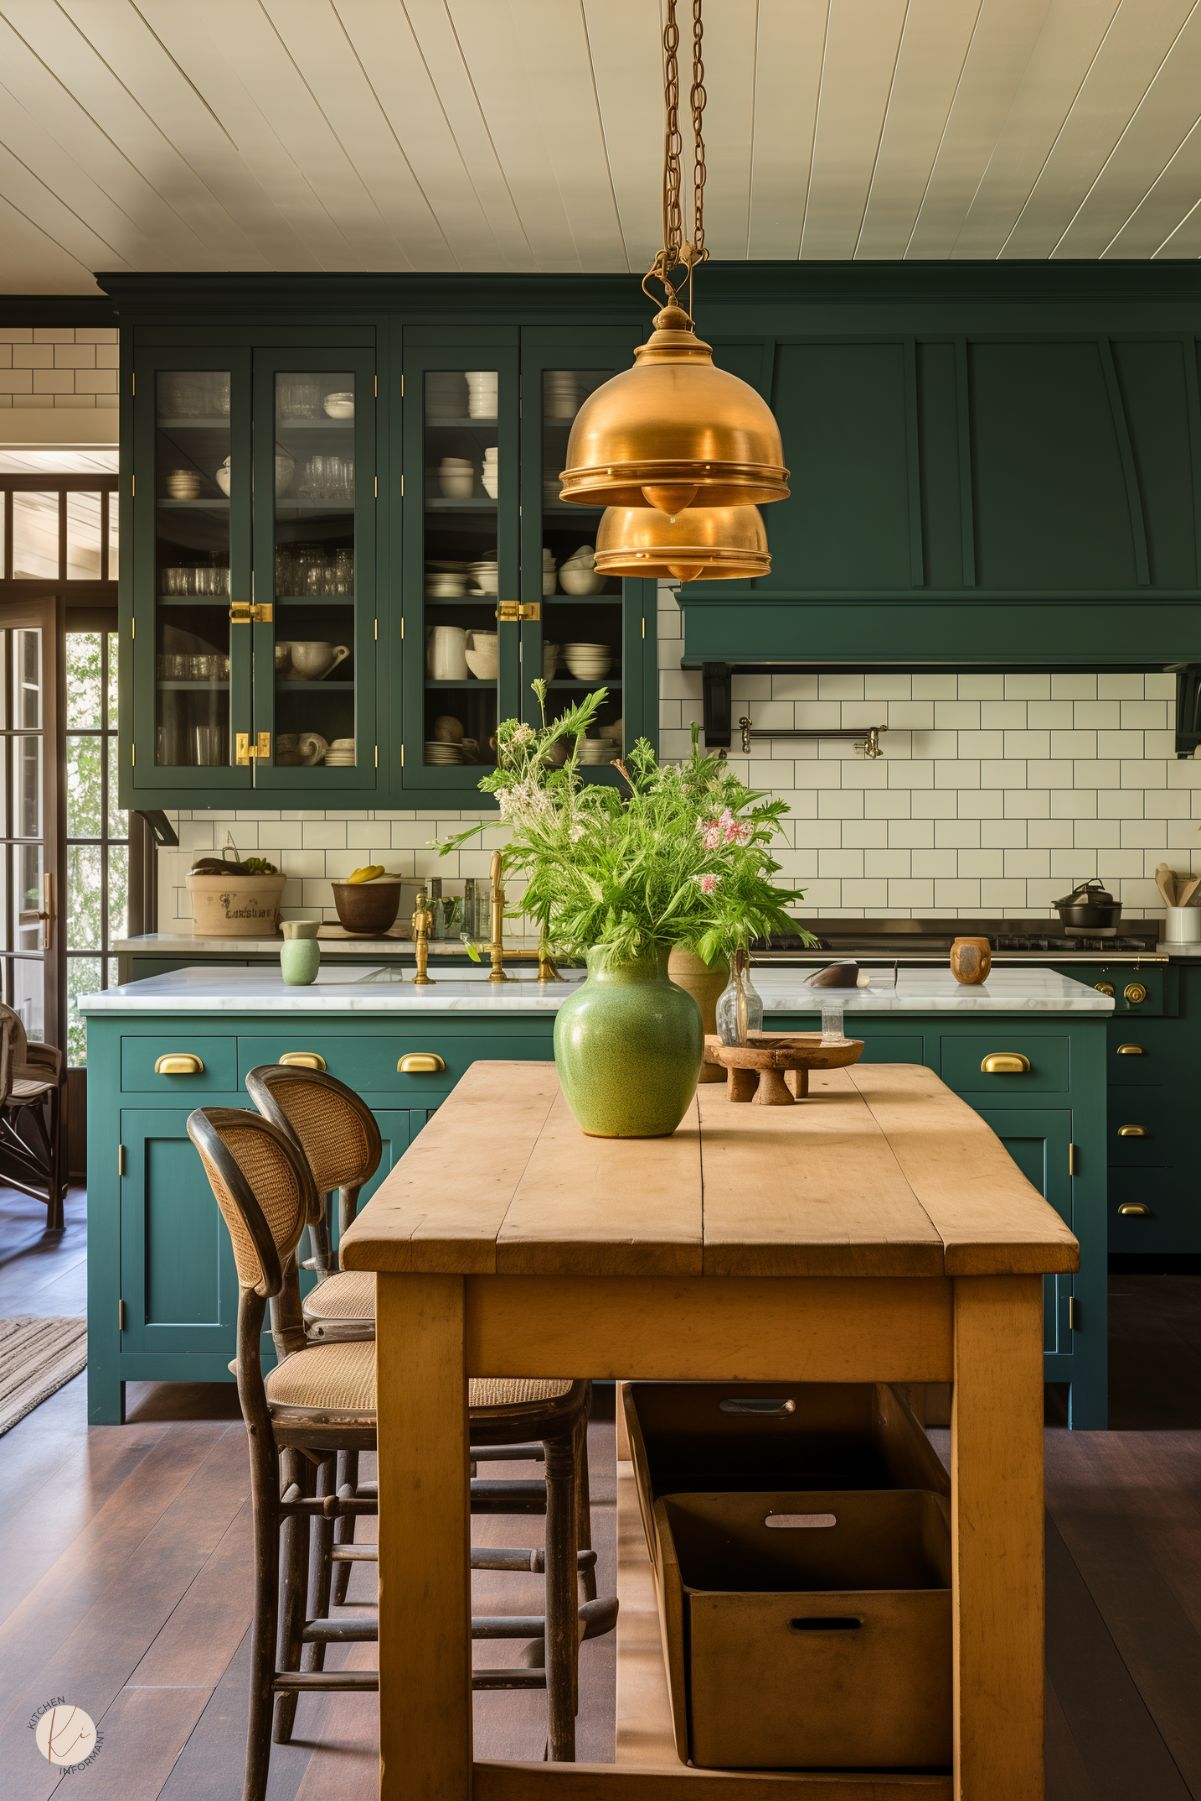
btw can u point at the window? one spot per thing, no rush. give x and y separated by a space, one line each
96 888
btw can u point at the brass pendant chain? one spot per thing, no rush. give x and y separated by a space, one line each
677 251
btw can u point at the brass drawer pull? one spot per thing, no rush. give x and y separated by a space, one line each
420 1063
179 1063
1134 1210
1104 987
303 1060
1005 1063
1135 993
1131 1050
1133 1132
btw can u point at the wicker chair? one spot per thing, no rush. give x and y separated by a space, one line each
319 1400
339 1137
33 1085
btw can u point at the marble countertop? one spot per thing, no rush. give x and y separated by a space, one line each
383 989
333 941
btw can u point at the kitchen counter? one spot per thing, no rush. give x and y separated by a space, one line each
334 940
380 989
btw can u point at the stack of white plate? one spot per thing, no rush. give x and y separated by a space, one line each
437 751
560 393
456 478
484 573
588 662
599 750
445 394
340 754
550 660
490 477
445 584
482 390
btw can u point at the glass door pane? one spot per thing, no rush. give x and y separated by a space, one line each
583 635
314 670
29 888
194 470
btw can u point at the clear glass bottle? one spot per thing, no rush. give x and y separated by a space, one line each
833 1019
739 1005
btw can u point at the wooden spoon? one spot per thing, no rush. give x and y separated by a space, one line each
1165 881
1188 895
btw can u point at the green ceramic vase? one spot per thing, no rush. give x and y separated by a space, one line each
628 1048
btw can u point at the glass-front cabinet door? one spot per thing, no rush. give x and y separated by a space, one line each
583 630
460 555
192 562
314 619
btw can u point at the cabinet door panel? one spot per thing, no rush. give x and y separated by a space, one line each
1039 1142
177 1270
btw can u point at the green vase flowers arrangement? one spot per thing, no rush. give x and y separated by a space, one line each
677 855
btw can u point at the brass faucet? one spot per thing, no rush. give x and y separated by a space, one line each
422 920
497 946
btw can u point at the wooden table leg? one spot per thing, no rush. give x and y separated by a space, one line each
424 1540
997 1538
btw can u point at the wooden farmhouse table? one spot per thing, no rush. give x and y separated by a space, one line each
876 1232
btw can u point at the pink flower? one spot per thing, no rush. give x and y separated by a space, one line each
708 883
710 831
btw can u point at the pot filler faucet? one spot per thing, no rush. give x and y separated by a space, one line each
868 741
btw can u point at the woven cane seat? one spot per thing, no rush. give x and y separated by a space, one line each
349 1295
31 1088
335 1382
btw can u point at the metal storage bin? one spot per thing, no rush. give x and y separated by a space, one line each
808 1630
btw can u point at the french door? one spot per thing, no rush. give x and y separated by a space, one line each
31 827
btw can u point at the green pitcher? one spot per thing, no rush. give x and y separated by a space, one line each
628 1047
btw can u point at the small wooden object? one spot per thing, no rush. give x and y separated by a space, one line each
971 960
773 1069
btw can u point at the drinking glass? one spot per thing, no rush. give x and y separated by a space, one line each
833 1018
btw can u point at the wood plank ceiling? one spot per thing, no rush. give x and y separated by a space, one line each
526 134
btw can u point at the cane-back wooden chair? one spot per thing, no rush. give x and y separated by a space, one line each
319 1401
33 1086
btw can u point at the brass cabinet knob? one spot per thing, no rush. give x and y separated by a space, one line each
179 1063
1134 1210
1135 993
303 1060
420 1063
1103 987
1133 1132
1005 1063
1131 1050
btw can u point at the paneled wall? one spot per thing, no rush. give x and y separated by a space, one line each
995 794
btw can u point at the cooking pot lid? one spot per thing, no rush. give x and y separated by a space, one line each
1088 894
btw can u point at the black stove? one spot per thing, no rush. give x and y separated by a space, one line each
929 941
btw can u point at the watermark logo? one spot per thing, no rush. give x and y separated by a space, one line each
65 1735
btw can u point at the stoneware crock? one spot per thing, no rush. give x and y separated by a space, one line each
971 960
300 953
628 1047
704 982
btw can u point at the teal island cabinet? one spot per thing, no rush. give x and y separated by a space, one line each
1028 1051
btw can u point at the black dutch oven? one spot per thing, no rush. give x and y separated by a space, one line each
1089 906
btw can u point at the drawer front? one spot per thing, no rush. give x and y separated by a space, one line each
1162 1215
373 1064
1006 1063
1138 991
1144 1054
1147 1128
176 1068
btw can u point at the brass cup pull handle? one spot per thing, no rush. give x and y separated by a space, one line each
1134 1210
1104 988
1133 1132
1131 1050
1005 1063
1135 993
420 1063
303 1060
179 1063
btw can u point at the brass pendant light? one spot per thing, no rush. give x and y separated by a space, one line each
708 544
674 431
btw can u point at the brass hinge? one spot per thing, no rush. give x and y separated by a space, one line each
251 612
133 755
1073 1314
133 626
120 1316
377 756
133 486
375 630
1073 1159
375 486
402 487
510 611
246 752
644 631
375 386
402 387
133 382
120 1159
402 631
402 756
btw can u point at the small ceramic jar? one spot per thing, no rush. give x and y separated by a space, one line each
971 960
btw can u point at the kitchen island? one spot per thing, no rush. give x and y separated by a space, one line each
924 1266
1026 1050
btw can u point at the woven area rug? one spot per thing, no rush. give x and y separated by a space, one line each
36 1357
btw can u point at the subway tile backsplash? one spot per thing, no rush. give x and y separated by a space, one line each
995 794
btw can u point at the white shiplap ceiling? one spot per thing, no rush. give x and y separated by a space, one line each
526 134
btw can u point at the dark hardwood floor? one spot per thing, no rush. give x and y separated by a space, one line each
125 1576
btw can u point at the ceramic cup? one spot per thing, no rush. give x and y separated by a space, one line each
971 960
300 953
446 653
1183 925
312 658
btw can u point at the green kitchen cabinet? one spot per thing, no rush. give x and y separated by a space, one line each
1039 1139
249 592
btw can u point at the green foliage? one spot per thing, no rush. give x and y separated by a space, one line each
680 856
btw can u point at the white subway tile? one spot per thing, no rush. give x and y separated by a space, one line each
937 863
910 833
1004 714
840 687
887 687
910 772
1036 686
1074 744
1027 803
956 833
1073 687
960 891
1027 744
886 803
913 715
981 687
868 893
867 832
908 893
1120 744
1120 687
1005 834
1100 713
983 863
840 803
980 803
1159 685
956 773
981 744
935 687
935 803
326 834
1073 803
794 687
1004 772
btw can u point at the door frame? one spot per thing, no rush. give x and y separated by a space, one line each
46 614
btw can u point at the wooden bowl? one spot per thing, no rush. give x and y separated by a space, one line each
369 908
